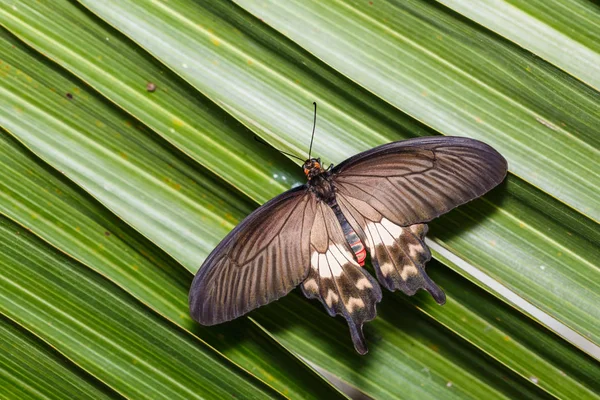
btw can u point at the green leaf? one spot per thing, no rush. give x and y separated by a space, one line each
71 36
222 74
68 306
31 370
516 340
562 32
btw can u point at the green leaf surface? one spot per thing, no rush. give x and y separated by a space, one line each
69 306
536 354
116 67
563 32
128 169
29 369
47 204
223 74
540 258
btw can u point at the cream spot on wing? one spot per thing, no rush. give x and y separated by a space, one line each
354 302
331 298
408 270
323 270
387 268
414 250
384 232
392 228
311 285
363 283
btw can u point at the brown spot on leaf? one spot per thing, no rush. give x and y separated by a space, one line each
69 96
151 87
174 185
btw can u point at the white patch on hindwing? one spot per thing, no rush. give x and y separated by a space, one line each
329 264
387 233
392 228
414 250
387 268
384 232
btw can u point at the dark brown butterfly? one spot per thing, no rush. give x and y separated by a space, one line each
317 234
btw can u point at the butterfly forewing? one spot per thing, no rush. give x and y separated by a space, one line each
416 180
261 260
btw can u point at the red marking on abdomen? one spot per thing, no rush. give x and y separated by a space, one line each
361 255
351 237
359 250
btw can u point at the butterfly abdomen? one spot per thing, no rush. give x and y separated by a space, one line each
351 237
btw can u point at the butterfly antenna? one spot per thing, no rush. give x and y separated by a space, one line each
313 132
259 140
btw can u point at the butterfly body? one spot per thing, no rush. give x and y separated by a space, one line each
321 184
317 235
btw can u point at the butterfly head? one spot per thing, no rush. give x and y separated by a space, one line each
312 167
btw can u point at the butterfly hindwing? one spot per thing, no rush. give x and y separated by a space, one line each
336 279
261 260
398 254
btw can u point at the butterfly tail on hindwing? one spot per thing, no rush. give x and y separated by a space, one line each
336 279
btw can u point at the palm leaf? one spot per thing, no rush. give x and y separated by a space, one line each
113 194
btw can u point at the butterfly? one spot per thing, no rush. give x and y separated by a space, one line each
317 235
